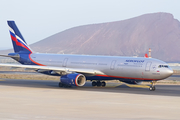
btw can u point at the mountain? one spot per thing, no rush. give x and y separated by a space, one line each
131 37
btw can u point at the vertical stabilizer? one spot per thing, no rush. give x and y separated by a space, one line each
18 41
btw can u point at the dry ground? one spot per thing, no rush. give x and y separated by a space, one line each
28 103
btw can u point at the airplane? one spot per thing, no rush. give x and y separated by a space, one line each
75 70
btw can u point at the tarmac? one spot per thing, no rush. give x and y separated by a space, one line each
44 100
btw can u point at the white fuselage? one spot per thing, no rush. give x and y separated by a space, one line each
112 66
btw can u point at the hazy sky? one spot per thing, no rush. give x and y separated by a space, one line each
38 19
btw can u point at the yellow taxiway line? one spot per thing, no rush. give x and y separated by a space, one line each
138 86
113 85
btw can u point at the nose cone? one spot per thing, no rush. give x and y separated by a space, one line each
169 72
166 73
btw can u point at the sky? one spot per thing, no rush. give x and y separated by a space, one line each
39 19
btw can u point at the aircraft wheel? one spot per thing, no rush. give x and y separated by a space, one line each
94 83
103 84
99 83
60 84
152 88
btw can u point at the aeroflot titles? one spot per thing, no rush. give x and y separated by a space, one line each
138 61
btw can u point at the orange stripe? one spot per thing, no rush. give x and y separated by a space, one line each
76 78
35 61
126 77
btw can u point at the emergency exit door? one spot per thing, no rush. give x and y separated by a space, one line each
65 62
113 65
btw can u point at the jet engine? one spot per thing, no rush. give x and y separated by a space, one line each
74 79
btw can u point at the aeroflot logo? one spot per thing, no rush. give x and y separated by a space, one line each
136 61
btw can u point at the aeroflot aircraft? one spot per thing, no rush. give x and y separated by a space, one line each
75 70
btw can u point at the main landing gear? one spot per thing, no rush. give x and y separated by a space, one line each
152 87
64 85
99 83
60 84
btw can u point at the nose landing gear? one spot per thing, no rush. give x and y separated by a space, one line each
152 87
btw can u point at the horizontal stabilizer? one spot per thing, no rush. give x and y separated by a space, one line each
9 56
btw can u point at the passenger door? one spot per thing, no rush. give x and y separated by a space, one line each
148 65
65 62
112 67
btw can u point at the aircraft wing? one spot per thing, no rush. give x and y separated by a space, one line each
54 69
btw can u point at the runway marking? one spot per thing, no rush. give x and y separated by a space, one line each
138 86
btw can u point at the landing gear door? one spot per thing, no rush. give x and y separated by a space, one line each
148 65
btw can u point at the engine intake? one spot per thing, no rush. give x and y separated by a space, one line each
74 79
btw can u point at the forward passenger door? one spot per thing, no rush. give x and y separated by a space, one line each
148 65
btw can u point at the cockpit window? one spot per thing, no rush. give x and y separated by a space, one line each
163 66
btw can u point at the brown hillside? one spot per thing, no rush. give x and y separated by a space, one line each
158 31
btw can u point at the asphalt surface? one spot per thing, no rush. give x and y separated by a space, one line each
44 100
162 90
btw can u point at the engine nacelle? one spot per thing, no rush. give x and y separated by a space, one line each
132 82
74 79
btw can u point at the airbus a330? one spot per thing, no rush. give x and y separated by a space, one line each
75 70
